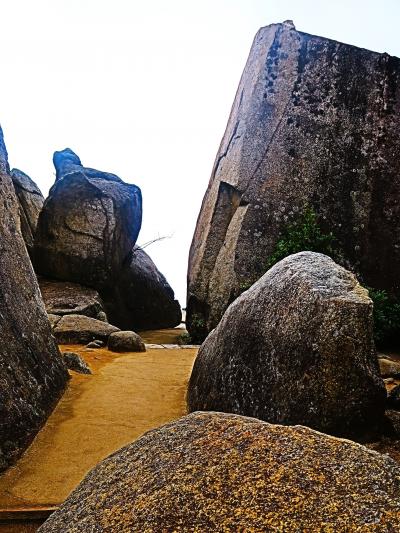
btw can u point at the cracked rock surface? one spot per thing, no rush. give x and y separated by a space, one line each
314 124
32 374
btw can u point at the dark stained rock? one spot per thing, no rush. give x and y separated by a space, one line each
296 348
219 472
393 400
66 162
75 362
80 329
314 124
66 298
125 341
87 227
144 298
30 201
32 374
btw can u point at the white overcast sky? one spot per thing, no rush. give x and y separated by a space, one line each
143 89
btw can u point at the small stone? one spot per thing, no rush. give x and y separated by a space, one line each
95 344
75 362
125 341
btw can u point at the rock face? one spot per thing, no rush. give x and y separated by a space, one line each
314 124
80 329
30 204
219 472
145 299
87 227
32 374
65 298
125 341
296 348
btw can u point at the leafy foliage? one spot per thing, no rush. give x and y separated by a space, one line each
303 235
198 329
386 317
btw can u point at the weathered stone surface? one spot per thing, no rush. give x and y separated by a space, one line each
296 348
144 298
220 472
87 227
75 362
80 329
66 298
30 201
32 375
125 341
389 368
314 123
53 319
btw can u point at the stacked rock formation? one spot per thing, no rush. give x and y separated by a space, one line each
30 204
32 374
296 348
86 234
218 472
314 125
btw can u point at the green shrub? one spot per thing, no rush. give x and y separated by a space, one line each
303 235
184 338
198 328
386 318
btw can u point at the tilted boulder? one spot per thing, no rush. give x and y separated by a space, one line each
221 472
30 201
32 374
314 125
66 298
296 348
144 298
87 227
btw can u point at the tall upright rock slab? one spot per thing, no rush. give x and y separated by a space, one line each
32 374
314 124
30 201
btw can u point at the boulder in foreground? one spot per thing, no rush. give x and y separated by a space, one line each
32 374
296 348
221 472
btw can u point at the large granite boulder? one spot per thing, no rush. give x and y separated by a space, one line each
80 329
30 201
87 227
66 298
144 298
32 374
296 348
314 125
221 472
